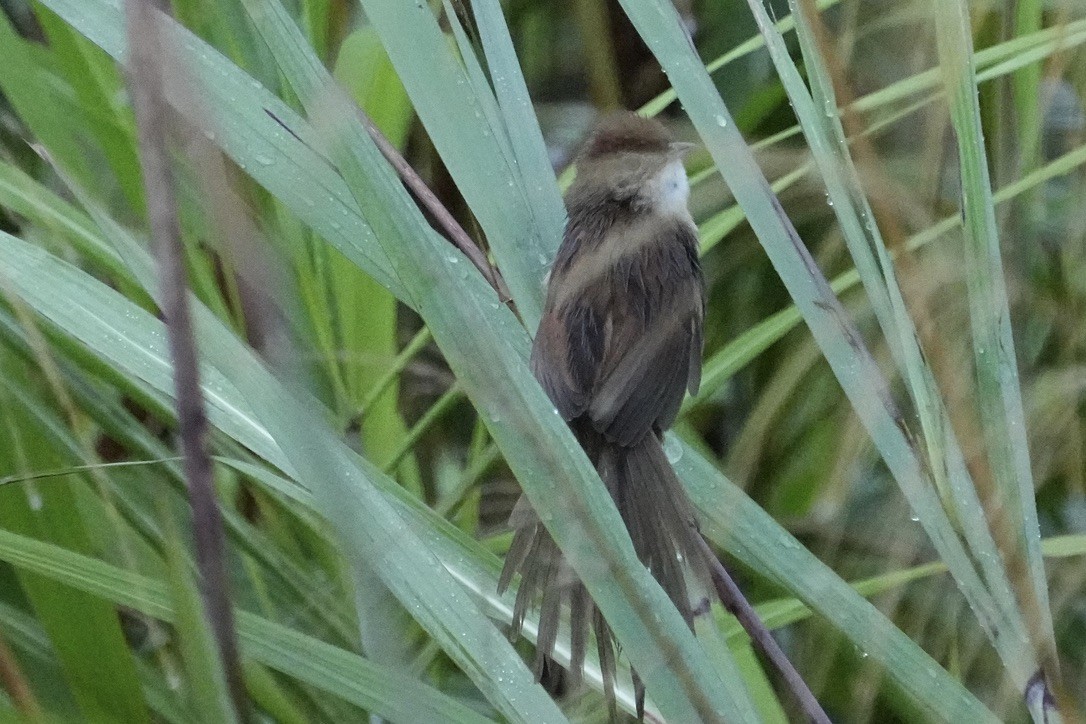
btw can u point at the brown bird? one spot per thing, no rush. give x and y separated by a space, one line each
617 348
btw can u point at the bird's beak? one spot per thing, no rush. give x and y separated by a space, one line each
681 148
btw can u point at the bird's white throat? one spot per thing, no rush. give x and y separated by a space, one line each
672 189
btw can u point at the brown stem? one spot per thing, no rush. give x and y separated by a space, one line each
146 83
736 603
439 214
15 683
429 201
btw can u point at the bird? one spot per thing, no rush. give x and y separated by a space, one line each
618 346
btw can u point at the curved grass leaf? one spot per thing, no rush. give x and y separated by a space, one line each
736 523
786 611
380 690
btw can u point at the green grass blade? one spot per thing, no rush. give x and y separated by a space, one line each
91 648
521 215
1029 19
817 113
783 612
364 70
736 523
240 115
205 680
21 194
515 104
96 83
998 390
24 632
385 692
28 85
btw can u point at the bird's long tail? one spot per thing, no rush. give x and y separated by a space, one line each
660 522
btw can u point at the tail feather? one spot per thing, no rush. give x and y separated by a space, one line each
580 611
548 615
662 526
606 648
523 541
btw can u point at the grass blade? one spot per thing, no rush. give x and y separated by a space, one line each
736 523
998 390
385 692
521 215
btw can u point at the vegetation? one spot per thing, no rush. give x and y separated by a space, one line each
887 448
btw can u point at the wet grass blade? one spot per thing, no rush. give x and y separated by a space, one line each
385 692
998 390
736 523
823 128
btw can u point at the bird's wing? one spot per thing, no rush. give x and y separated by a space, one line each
653 351
572 335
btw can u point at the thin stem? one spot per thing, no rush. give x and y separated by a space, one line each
597 43
146 83
420 340
440 215
45 474
470 477
15 684
452 395
736 603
